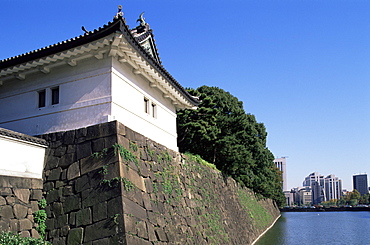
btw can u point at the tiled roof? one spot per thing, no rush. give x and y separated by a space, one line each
117 25
23 137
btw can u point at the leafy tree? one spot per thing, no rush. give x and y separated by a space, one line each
222 133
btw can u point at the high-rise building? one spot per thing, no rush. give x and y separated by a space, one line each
317 184
333 187
360 183
280 163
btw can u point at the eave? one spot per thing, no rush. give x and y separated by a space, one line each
113 39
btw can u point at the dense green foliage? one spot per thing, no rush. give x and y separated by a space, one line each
223 134
9 238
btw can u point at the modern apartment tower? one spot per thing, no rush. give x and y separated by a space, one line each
360 183
333 187
280 163
317 184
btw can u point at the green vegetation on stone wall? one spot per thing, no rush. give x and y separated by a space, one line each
259 215
9 238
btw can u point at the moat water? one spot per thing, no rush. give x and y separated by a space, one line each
303 228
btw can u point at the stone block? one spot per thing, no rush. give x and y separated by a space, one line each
10 200
83 217
36 195
2 201
99 230
64 230
71 203
73 171
133 176
6 212
130 224
110 141
14 225
5 191
61 221
35 234
148 185
36 184
67 159
120 129
90 164
71 149
57 208
103 241
146 201
20 211
130 207
52 163
55 174
84 150
22 194
82 183
53 195
100 211
136 240
93 132
72 219
60 151
142 229
69 137
151 232
108 129
144 170
24 234
50 224
99 194
67 190
4 226
59 241
123 141
25 224
98 145
54 233
48 186
115 206
161 234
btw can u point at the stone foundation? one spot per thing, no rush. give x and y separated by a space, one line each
19 199
107 184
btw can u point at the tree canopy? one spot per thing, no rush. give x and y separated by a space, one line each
222 133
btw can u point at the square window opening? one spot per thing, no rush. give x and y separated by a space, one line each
42 98
146 105
55 96
154 110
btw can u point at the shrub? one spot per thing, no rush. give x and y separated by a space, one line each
9 238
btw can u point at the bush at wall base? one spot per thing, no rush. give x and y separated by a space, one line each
9 238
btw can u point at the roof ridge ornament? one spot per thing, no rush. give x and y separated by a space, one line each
119 13
141 19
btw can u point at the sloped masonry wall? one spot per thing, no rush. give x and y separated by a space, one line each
19 199
107 184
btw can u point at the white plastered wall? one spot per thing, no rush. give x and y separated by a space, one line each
128 93
21 158
93 92
85 99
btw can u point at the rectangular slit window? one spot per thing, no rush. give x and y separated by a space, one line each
55 96
146 105
154 110
42 98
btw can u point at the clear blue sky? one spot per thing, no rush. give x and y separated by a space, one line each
302 67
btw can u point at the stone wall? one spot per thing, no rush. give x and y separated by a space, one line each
19 199
107 184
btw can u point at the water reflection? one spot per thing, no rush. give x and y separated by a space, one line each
319 228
